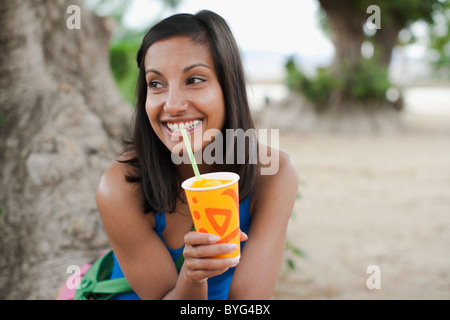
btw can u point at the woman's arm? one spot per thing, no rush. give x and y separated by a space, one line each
143 257
256 275
144 260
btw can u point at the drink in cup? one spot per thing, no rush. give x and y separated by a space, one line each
214 205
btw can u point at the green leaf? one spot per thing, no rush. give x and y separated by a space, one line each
290 264
299 253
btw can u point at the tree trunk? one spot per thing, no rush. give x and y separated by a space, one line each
347 31
62 122
371 111
387 38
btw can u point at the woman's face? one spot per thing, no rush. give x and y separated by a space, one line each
183 90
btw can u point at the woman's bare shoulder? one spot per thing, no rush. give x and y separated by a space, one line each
115 194
276 165
114 180
277 177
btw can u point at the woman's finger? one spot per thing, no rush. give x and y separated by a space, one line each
198 238
211 264
208 251
203 275
243 236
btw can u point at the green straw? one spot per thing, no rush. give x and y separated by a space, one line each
191 154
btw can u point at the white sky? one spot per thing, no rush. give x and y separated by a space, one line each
284 26
267 31
279 27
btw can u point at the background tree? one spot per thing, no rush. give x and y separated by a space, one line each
354 88
126 41
62 124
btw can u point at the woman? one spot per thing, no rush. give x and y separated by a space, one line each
191 75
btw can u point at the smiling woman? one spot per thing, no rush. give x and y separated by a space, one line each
183 89
191 77
204 39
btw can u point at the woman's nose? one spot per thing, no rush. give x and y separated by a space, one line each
175 102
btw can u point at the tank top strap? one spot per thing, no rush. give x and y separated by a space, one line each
160 223
244 215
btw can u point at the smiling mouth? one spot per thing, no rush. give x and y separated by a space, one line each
187 125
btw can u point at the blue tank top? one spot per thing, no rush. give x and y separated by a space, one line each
218 286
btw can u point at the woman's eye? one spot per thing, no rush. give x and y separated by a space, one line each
195 80
154 85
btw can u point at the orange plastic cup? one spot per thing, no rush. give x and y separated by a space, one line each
215 209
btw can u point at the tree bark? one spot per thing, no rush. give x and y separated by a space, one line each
62 125
387 38
372 114
347 31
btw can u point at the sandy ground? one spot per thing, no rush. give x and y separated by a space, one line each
372 200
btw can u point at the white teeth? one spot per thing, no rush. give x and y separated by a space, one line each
175 127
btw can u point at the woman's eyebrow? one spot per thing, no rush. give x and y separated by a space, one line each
154 71
187 69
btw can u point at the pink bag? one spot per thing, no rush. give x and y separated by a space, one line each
66 291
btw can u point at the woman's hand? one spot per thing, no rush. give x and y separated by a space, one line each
199 250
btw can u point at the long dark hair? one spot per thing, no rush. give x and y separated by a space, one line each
155 170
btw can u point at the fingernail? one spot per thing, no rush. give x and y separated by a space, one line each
232 246
214 238
235 262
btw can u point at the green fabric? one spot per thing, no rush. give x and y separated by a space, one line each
96 284
179 262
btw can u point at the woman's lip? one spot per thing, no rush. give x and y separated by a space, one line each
177 134
180 120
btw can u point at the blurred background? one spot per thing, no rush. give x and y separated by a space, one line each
362 101
291 45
